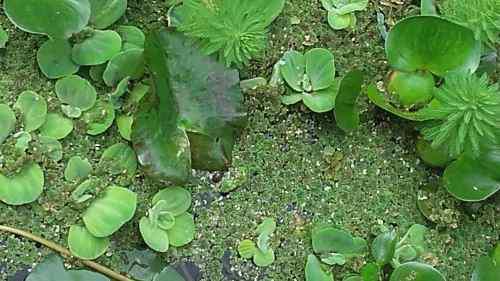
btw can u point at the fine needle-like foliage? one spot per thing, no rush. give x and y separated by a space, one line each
467 114
236 29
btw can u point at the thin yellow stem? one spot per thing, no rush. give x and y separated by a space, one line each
65 252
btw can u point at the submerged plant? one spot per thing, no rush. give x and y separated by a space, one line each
467 115
235 29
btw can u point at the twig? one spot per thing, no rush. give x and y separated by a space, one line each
65 252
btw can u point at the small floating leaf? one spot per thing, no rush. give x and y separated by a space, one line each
84 245
124 124
24 187
52 268
54 59
247 249
119 158
178 199
100 47
264 258
8 121
106 12
51 147
4 37
76 92
132 37
128 63
320 68
99 118
417 272
183 231
56 126
34 110
155 237
314 270
77 169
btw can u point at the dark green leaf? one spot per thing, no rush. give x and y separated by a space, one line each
383 247
346 110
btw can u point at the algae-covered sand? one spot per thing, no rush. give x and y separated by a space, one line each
301 169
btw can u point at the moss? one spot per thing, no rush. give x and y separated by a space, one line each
301 169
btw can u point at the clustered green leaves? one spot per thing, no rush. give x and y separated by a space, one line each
341 13
261 253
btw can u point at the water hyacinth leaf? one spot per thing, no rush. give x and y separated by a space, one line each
320 68
55 18
52 268
293 69
119 159
132 37
210 102
106 12
383 247
84 245
77 169
264 258
34 110
8 121
24 187
51 148
76 92
183 231
470 179
124 124
54 59
346 110
107 214
155 237
99 118
4 37
100 47
247 249
486 270
56 126
314 270
129 63
339 22
178 199
417 272
416 43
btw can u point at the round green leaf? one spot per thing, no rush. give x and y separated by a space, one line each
76 92
338 22
166 220
4 37
119 159
170 274
34 110
183 231
56 126
314 271
434 44
320 67
51 147
70 111
107 214
124 124
24 187
264 259
100 47
293 69
106 12
328 239
416 272
155 237
321 101
8 121
178 199
433 157
411 88
23 140
129 63
54 59
247 249
99 118
470 179
55 18
84 245
77 169
132 37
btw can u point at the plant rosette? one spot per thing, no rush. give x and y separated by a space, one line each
310 79
168 223
341 12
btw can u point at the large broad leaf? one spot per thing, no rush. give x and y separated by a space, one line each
84 245
8 121
52 268
106 12
314 271
54 59
107 214
416 272
434 44
471 179
24 187
55 18
346 110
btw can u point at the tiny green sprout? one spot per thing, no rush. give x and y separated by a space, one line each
341 12
168 223
262 253
310 79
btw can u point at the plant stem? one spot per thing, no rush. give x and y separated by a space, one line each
65 252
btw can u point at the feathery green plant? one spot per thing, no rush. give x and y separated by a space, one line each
482 16
236 29
467 115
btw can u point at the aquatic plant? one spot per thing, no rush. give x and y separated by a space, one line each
341 13
235 29
262 253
